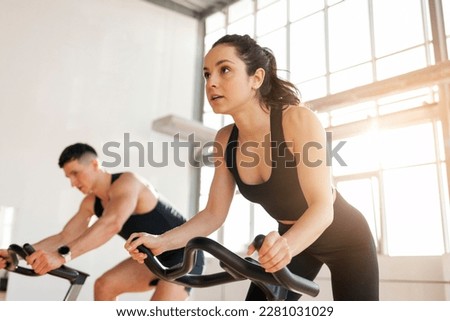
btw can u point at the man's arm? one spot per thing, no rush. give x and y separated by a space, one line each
73 228
46 257
124 196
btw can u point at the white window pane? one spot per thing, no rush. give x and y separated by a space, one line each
276 41
353 113
446 10
393 34
332 2
302 8
313 89
351 78
271 18
264 223
6 225
206 176
445 196
214 22
240 9
244 26
264 3
407 146
448 45
349 39
363 195
406 100
307 48
324 119
203 199
359 153
212 120
237 225
227 119
211 38
413 214
206 106
441 145
401 63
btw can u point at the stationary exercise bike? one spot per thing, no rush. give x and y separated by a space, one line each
76 278
274 285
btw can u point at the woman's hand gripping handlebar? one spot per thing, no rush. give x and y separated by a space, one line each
236 268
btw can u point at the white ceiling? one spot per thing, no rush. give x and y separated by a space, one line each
194 8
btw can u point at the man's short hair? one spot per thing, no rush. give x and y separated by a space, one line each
75 152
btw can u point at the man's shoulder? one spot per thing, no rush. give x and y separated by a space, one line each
124 177
88 202
126 180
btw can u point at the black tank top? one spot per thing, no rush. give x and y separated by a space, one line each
157 221
281 195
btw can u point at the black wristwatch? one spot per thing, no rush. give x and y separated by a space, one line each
64 251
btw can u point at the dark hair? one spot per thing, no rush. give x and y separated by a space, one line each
75 152
274 92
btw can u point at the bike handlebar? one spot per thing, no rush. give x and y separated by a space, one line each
14 250
236 268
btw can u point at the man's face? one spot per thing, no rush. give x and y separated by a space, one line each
81 174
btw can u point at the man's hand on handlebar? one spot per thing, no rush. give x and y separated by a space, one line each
274 253
3 258
43 262
152 242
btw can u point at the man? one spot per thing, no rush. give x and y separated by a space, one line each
124 203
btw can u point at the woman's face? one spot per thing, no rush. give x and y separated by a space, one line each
228 87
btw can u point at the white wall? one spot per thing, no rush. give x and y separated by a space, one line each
89 71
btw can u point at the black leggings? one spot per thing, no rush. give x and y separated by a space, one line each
347 248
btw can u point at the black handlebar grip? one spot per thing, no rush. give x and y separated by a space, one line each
62 272
286 278
258 241
28 248
15 250
12 261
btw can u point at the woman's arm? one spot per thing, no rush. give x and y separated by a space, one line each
204 222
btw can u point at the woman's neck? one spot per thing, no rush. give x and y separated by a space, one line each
253 123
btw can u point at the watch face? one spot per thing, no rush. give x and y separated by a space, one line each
64 250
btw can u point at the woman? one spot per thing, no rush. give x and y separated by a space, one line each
275 153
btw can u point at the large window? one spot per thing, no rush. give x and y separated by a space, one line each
395 169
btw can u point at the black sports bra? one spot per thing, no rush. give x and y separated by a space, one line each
281 195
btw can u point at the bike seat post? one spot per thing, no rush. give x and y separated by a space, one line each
75 287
